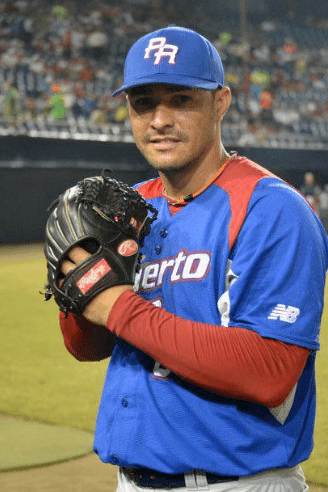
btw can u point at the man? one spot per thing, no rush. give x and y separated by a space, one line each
211 379
311 191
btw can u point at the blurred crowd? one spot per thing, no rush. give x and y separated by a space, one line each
59 63
317 196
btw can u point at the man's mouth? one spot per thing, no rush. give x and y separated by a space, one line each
164 143
163 139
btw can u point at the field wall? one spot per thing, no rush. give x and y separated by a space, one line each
34 171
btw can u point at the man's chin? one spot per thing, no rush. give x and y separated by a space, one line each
168 167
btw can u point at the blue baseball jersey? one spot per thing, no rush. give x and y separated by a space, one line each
248 252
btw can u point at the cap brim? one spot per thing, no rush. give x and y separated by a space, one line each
175 79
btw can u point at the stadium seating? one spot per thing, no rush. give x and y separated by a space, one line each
55 83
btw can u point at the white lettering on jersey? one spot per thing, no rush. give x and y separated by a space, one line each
163 267
150 276
176 272
288 314
183 267
161 49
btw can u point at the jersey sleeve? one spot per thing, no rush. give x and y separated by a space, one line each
270 310
85 340
276 274
209 356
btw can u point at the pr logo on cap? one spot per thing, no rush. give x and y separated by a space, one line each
173 55
162 50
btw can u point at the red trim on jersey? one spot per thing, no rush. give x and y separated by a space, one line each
85 340
238 176
174 208
155 189
239 180
233 362
210 356
151 189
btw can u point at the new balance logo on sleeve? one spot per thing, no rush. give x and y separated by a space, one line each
288 314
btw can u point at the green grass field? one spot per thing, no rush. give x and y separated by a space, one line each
41 381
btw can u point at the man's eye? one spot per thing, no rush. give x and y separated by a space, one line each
182 99
142 103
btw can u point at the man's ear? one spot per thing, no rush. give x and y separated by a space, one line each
222 101
127 102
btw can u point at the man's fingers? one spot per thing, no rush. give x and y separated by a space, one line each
75 256
78 254
67 266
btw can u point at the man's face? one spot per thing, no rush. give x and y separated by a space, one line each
309 179
173 126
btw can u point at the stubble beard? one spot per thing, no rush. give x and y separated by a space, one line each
180 167
171 169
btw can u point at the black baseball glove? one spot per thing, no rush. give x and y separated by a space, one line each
108 219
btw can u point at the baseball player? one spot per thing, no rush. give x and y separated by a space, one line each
210 384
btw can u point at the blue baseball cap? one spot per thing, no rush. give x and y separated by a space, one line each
173 55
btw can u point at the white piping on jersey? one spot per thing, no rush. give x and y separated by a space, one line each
224 301
281 412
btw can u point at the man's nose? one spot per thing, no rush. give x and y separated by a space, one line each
163 117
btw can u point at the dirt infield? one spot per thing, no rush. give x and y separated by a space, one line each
86 474
25 443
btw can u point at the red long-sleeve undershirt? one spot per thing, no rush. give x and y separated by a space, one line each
85 340
233 362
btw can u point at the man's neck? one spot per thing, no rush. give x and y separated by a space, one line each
185 182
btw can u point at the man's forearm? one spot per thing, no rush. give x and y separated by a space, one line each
233 362
85 340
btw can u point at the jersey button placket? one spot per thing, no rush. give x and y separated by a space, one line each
125 402
158 249
163 233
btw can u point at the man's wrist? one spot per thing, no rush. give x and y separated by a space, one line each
100 307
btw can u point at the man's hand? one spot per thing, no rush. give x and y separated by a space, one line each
109 220
98 308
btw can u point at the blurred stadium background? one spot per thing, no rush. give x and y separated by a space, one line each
60 61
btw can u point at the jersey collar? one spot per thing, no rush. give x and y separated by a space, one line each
184 201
